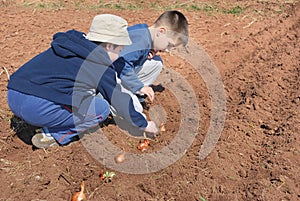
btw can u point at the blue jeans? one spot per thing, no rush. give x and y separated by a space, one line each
59 120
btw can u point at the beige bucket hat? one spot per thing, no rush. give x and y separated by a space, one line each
109 28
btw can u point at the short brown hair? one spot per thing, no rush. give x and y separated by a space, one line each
176 22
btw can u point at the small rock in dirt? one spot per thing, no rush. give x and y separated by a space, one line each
242 173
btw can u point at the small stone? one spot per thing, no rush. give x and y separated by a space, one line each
242 173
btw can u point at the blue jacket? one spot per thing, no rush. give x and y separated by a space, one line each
135 56
74 69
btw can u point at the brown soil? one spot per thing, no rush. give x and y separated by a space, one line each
257 156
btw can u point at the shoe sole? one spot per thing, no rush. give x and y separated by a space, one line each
37 142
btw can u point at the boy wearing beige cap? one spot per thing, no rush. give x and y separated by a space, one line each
53 90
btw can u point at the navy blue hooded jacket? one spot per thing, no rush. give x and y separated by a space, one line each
70 72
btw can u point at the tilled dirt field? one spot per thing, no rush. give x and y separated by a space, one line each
255 47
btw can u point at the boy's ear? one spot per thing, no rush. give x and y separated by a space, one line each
162 30
108 46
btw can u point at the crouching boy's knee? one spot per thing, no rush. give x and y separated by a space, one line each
102 108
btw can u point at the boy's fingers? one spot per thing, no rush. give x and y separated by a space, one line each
151 98
149 92
151 95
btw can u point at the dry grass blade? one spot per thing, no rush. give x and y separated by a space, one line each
249 24
6 71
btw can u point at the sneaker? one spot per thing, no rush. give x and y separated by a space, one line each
157 88
149 136
43 140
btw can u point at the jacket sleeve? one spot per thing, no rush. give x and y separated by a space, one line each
127 64
121 101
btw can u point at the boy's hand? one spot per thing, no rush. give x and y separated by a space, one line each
148 91
151 128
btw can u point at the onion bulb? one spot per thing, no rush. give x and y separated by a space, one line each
101 175
143 146
79 196
162 127
120 157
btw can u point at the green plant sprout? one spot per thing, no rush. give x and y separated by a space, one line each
107 176
202 198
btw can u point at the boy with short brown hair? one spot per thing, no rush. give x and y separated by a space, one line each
138 65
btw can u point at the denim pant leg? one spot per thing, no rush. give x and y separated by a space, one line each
97 112
58 120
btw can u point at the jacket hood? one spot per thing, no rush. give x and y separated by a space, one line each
74 44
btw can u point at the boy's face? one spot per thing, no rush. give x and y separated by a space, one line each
113 51
163 41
